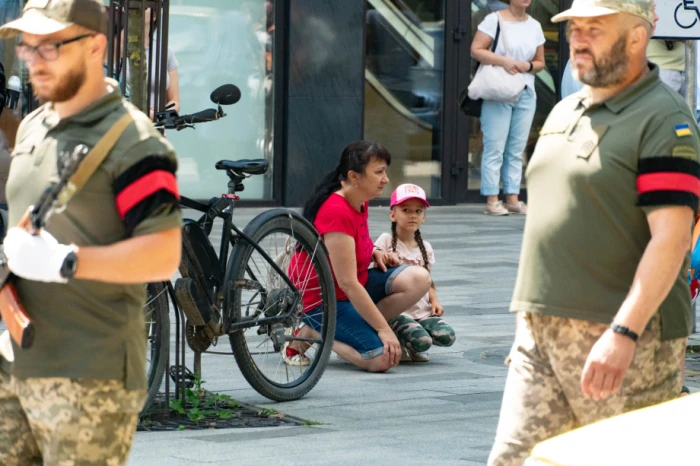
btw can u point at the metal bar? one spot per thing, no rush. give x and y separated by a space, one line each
149 62
110 39
124 13
691 98
280 72
142 55
183 324
156 78
690 74
177 346
164 48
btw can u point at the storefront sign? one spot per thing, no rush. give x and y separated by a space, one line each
678 19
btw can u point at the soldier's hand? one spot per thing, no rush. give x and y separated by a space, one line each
606 365
37 258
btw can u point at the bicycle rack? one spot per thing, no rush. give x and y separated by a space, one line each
181 375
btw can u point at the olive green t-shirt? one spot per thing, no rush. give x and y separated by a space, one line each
90 329
596 173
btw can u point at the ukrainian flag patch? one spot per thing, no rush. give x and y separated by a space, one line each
682 130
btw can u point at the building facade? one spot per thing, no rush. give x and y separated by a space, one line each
318 74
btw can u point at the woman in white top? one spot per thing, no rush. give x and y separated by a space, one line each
506 125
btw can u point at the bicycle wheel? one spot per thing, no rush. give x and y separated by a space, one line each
254 290
157 326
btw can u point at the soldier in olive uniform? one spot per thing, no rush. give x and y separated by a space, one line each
602 301
73 398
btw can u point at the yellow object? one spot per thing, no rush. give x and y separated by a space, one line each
665 434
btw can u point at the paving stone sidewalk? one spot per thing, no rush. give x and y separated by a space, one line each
444 412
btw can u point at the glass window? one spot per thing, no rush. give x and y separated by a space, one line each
542 11
219 42
404 88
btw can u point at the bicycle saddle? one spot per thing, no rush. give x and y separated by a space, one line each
246 166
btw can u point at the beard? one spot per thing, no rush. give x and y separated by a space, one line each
65 89
609 69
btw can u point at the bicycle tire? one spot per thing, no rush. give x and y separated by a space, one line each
265 223
157 300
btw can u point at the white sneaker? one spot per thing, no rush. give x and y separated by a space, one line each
419 357
496 209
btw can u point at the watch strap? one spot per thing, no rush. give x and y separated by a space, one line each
622 330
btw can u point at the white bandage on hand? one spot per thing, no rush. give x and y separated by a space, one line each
37 258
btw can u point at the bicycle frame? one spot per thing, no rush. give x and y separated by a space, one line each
223 208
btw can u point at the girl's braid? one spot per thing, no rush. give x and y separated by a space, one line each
419 239
394 237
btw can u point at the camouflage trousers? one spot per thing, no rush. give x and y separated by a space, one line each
66 422
543 398
421 335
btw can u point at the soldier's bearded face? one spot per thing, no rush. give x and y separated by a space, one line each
598 51
606 68
60 79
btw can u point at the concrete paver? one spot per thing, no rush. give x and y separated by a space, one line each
444 412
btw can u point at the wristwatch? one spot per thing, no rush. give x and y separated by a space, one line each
70 265
531 67
622 330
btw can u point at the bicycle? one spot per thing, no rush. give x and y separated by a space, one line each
229 295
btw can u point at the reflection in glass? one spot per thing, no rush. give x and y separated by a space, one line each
542 11
219 42
403 88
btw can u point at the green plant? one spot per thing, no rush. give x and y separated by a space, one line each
312 423
268 412
200 404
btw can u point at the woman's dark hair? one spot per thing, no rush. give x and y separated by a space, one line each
355 157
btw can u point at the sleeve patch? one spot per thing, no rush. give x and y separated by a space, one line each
685 151
682 130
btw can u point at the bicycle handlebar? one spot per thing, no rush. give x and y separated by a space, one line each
169 119
209 114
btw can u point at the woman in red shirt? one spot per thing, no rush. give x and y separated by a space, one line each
366 298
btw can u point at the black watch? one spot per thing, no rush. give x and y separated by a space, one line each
70 265
622 330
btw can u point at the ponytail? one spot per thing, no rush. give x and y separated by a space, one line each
329 185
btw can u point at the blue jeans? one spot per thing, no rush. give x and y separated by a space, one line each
350 327
506 126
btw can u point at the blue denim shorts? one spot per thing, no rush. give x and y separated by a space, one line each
350 327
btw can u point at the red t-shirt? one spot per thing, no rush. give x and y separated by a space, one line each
336 215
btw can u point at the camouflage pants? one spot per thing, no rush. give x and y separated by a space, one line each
421 335
543 397
66 422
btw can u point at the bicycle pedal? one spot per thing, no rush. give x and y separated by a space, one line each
182 373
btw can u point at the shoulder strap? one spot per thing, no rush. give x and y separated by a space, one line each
494 44
505 36
495 39
94 159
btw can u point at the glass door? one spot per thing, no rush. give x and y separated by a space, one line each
404 88
546 87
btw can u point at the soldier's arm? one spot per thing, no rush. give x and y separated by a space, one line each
146 197
668 187
142 259
671 228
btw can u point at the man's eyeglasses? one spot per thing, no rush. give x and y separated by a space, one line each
48 52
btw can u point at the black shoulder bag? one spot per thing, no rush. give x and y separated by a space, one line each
473 107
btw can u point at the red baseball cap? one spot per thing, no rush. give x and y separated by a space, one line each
406 192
